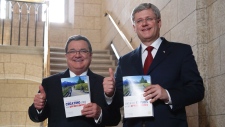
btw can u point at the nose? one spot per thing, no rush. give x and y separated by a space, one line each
144 22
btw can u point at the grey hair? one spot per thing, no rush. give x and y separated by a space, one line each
77 38
145 6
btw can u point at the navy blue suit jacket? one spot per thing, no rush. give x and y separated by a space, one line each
173 68
54 108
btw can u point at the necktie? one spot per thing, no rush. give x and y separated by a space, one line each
148 59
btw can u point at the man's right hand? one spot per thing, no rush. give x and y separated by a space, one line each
109 84
40 99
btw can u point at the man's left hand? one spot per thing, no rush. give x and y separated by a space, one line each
91 110
155 92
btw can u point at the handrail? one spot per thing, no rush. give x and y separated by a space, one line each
29 1
46 51
120 32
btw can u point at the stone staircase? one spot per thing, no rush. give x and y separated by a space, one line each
101 61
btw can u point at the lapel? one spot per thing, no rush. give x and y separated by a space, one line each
137 59
161 54
65 74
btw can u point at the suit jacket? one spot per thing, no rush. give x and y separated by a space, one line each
54 108
173 68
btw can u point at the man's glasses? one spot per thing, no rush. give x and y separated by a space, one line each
141 21
81 52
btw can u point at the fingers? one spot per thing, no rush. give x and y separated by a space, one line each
109 84
155 92
41 89
40 98
91 110
111 73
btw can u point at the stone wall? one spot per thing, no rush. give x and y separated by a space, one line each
87 22
21 72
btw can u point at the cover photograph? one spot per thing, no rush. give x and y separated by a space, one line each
135 104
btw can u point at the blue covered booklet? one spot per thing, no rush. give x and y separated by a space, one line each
76 93
135 104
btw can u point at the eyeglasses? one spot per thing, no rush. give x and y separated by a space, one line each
141 21
81 52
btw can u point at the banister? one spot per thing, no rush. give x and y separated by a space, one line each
119 31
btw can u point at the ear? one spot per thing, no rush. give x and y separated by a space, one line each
134 27
159 23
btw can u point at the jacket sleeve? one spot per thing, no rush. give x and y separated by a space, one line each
191 89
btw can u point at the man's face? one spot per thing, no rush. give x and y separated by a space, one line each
147 26
78 56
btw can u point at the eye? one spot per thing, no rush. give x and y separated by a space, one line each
84 51
149 19
139 21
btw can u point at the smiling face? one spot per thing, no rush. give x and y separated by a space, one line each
147 26
78 59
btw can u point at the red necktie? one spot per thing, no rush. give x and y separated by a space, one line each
148 59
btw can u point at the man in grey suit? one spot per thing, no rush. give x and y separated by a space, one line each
175 78
48 103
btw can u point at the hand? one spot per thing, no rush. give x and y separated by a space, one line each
40 98
155 92
91 110
109 84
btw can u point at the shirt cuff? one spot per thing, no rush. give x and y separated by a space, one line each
170 101
39 112
109 99
99 120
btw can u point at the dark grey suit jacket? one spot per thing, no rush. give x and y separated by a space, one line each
54 109
174 68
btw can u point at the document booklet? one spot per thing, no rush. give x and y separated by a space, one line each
135 104
76 94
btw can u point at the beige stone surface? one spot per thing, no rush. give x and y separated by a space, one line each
192 110
119 43
18 118
16 104
32 89
193 121
84 22
92 35
13 90
185 31
222 51
185 8
217 121
213 59
14 68
217 103
169 16
1 68
30 123
33 78
79 9
5 119
33 70
92 10
89 1
28 59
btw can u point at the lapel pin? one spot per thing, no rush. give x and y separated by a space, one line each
164 51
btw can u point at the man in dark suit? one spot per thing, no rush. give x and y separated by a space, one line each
175 78
48 103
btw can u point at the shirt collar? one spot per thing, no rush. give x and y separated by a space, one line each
73 74
155 44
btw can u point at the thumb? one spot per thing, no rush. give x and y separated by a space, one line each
42 91
111 73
